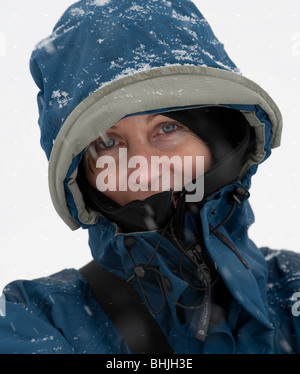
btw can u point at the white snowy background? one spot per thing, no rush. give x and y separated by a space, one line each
262 37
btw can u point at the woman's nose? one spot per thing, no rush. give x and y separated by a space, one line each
140 148
139 163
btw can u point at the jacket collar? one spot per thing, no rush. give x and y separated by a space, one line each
246 285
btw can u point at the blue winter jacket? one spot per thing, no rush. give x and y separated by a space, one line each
107 59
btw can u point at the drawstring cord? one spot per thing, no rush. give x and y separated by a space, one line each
164 282
165 286
140 272
237 197
193 253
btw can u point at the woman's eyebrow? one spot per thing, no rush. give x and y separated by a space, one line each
114 127
149 118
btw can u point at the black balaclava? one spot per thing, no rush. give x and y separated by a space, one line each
230 139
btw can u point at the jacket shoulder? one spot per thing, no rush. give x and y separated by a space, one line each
283 266
284 297
36 293
27 323
55 314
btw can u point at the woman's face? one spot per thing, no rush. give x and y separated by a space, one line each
122 162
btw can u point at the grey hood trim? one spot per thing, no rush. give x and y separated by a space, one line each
160 88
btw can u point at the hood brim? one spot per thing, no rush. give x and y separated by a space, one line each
153 91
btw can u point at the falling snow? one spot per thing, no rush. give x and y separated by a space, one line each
100 2
77 11
61 97
184 18
47 338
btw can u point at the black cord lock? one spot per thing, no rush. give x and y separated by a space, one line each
239 195
140 271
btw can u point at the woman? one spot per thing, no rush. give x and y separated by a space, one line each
121 83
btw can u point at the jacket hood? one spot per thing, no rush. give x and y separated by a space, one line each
107 59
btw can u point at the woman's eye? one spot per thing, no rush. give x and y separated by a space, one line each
107 143
168 127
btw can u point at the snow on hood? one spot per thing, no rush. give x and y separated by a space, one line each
106 59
